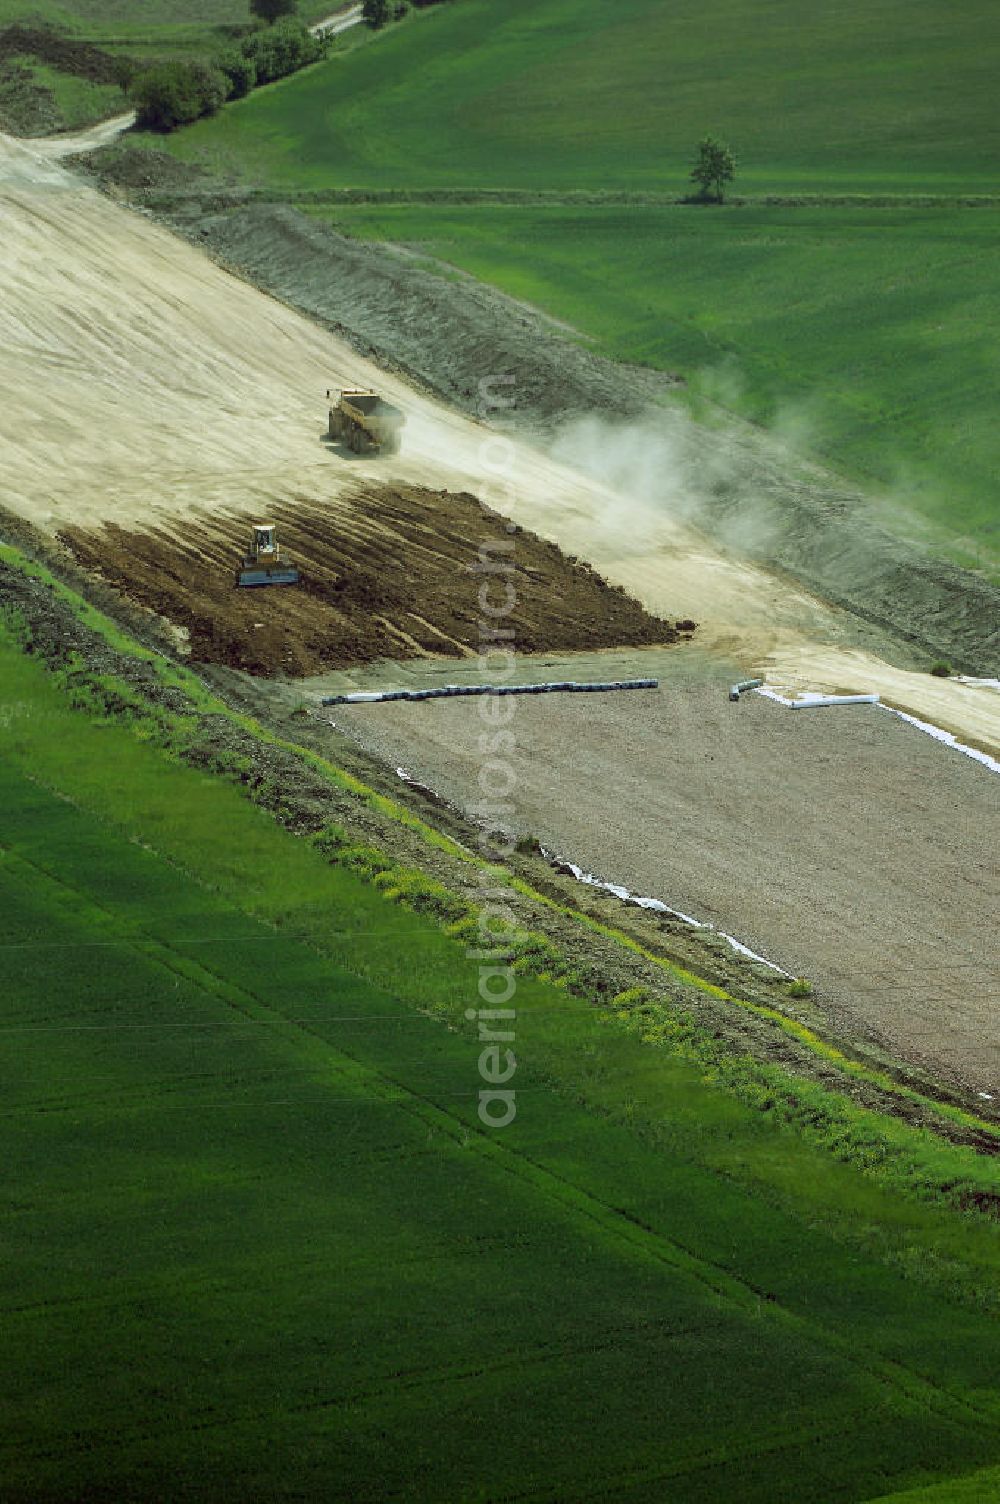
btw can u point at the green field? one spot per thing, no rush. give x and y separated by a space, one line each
78 101
150 28
259 1244
893 98
861 332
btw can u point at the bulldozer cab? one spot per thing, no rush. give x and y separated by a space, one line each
264 540
263 564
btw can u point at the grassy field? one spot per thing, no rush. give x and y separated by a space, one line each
580 94
256 1230
78 101
149 29
859 331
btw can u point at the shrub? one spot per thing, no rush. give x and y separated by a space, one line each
375 13
172 94
800 987
240 70
941 669
273 10
285 47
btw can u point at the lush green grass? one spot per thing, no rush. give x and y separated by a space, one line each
977 1488
79 101
861 332
583 94
256 1227
85 16
150 28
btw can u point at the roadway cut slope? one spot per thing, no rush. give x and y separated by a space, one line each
148 388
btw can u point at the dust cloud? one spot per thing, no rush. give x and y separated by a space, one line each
668 462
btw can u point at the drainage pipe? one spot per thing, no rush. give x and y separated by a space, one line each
373 697
821 700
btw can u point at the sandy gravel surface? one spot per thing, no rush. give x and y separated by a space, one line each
144 385
842 844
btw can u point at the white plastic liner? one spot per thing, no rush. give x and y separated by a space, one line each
949 739
657 906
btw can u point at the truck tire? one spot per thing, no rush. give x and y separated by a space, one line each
336 424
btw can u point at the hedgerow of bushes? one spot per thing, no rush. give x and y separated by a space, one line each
175 93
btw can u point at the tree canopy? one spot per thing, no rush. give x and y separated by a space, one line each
273 10
714 167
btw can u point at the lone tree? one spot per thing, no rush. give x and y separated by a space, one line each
714 167
376 13
273 10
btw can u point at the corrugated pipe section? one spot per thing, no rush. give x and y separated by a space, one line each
448 691
817 702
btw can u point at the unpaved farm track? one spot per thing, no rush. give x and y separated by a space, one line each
145 386
385 573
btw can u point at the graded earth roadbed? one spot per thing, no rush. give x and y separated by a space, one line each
149 389
845 846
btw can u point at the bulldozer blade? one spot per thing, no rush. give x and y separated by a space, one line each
257 576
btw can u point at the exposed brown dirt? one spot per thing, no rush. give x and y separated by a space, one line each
391 576
68 54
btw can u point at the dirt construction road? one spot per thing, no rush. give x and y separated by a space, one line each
144 385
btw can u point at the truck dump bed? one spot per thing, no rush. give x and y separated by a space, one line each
366 421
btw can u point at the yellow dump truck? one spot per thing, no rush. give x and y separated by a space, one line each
365 421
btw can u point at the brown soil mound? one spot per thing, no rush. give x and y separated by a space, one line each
391 577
